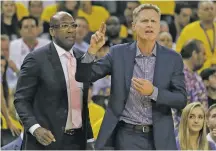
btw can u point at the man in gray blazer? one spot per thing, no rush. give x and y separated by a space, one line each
147 80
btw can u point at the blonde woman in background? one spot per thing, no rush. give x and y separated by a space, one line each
192 130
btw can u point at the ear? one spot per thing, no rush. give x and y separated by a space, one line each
206 82
133 27
52 32
194 54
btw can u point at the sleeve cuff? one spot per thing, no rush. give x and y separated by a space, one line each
90 140
88 58
33 128
154 94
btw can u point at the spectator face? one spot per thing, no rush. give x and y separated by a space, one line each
113 27
85 5
147 25
5 48
70 5
164 28
212 119
64 33
184 16
199 58
196 120
82 29
36 8
3 64
206 11
212 81
29 29
8 8
128 13
165 39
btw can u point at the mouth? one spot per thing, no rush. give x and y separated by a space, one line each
149 31
70 37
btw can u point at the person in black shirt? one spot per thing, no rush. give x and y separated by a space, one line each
9 20
209 78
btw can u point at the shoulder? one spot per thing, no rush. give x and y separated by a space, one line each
192 26
40 52
43 41
15 42
121 47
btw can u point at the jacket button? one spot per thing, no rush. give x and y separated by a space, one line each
63 128
65 111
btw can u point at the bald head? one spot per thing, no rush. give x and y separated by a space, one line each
113 27
55 19
206 11
63 30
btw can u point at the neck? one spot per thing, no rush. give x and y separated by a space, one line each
30 42
213 137
194 140
179 27
146 46
188 64
79 41
207 24
212 93
7 20
115 40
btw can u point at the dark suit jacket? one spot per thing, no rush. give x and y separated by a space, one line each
168 78
41 97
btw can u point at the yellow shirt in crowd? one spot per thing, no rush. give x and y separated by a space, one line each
166 7
48 12
194 31
21 11
96 114
99 14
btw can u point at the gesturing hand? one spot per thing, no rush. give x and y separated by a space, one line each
97 39
44 136
144 87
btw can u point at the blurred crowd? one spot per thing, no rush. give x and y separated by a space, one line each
25 28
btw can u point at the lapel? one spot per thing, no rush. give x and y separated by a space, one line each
160 66
129 59
57 68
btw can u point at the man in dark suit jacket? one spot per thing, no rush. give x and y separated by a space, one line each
147 80
43 94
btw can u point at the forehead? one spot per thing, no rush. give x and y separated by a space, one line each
28 21
66 18
197 111
81 21
36 3
8 3
213 112
204 5
148 14
186 10
4 43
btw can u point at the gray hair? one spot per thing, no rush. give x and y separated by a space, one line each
138 9
5 38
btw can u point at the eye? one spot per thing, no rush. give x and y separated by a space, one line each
64 25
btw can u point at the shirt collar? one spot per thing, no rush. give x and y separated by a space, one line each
154 52
61 51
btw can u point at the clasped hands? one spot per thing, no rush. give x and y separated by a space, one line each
144 87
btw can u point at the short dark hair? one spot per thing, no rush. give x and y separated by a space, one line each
27 17
209 110
188 48
180 6
29 3
206 73
82 18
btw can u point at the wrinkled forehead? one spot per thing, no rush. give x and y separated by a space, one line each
66 19
204 5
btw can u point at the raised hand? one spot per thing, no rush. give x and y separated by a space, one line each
97 39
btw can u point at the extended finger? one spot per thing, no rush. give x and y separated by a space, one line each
102 28
17 132
98 35
43 141
94 38
138 88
